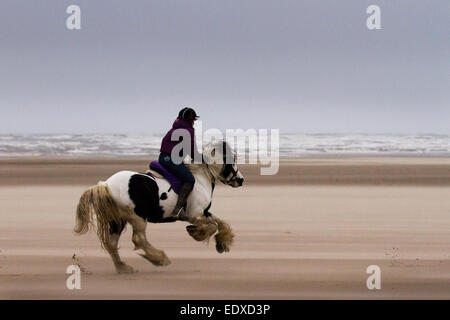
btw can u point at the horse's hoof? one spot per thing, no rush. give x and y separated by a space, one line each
164 261
125 269
221 248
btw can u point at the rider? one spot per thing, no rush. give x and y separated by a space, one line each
185 120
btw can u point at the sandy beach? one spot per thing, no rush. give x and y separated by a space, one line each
308 232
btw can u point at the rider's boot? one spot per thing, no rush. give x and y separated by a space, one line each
180 207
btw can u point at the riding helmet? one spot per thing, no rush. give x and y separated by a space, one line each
187 114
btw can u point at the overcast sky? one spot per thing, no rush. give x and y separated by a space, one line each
301 66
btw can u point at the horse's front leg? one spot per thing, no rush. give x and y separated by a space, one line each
225 237
206 225
139 238
202 227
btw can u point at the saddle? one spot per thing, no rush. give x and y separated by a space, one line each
157 170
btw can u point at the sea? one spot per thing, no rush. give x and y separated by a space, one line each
290 145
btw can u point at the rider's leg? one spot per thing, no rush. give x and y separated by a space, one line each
185 190
185 175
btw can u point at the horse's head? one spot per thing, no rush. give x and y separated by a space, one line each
222 160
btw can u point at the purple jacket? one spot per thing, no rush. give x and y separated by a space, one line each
167 144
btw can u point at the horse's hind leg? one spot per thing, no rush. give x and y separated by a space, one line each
155 256
111 245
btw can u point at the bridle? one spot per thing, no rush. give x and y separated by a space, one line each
228 168
234 173
224 169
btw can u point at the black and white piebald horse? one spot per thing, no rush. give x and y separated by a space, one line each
138 198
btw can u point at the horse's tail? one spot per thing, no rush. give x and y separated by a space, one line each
98 200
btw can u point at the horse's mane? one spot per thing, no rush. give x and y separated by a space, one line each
195 167
198 167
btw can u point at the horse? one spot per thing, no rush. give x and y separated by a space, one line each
134 198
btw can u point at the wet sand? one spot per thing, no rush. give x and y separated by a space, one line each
309 232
